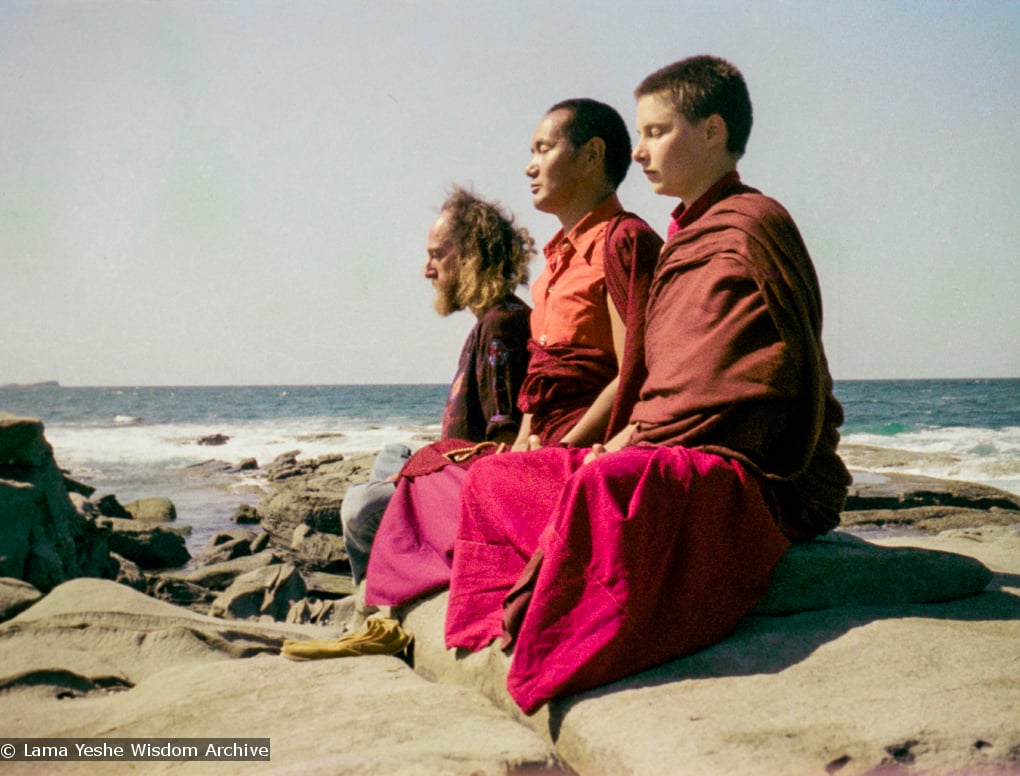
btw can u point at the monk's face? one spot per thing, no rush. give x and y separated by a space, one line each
443 265
672 152
556 170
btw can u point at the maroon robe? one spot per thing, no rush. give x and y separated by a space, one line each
748 376
561 384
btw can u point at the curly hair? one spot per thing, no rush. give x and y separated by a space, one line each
702 85
492 251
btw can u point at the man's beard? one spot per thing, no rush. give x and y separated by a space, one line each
446 302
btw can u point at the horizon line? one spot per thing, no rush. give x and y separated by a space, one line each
58 384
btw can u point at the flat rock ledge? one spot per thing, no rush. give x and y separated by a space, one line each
884 679
888 677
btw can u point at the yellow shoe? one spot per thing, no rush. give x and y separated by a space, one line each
380 636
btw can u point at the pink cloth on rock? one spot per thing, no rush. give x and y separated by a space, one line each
411 556
502 514
647 554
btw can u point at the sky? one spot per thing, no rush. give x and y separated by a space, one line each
235 193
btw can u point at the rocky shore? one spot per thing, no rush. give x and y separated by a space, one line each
890 646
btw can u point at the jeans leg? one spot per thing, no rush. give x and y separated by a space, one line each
363 506
391 459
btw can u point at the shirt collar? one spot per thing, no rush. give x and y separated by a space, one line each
684 215
584 233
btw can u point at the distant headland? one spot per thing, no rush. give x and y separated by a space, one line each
43 384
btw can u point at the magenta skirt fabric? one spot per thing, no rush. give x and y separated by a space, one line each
640 557
412 552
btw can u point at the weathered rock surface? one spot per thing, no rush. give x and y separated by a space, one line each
893 490
308 493
180 592
151 546
895 654
325 585
220 575
337 611
15 596
843 570
156 509
97 659
926 689
264 592
22 441
43 539
319 550
213 440
922 688
246 515
89 634
227 545
110 506
894 500
128 573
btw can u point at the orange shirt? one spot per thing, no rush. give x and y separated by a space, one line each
570 301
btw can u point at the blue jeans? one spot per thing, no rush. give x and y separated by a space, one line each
364 503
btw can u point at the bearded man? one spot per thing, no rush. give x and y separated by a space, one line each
477 257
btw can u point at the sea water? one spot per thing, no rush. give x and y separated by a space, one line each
954 429
136 442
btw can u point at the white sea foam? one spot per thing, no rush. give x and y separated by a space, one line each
987 456
176 445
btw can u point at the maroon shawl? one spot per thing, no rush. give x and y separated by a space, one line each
733 341
562 383
632 251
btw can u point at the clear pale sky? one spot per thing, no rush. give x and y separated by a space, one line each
214 193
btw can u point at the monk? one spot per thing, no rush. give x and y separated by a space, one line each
586 342
597 564
590 299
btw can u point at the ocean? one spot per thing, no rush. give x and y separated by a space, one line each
136 442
